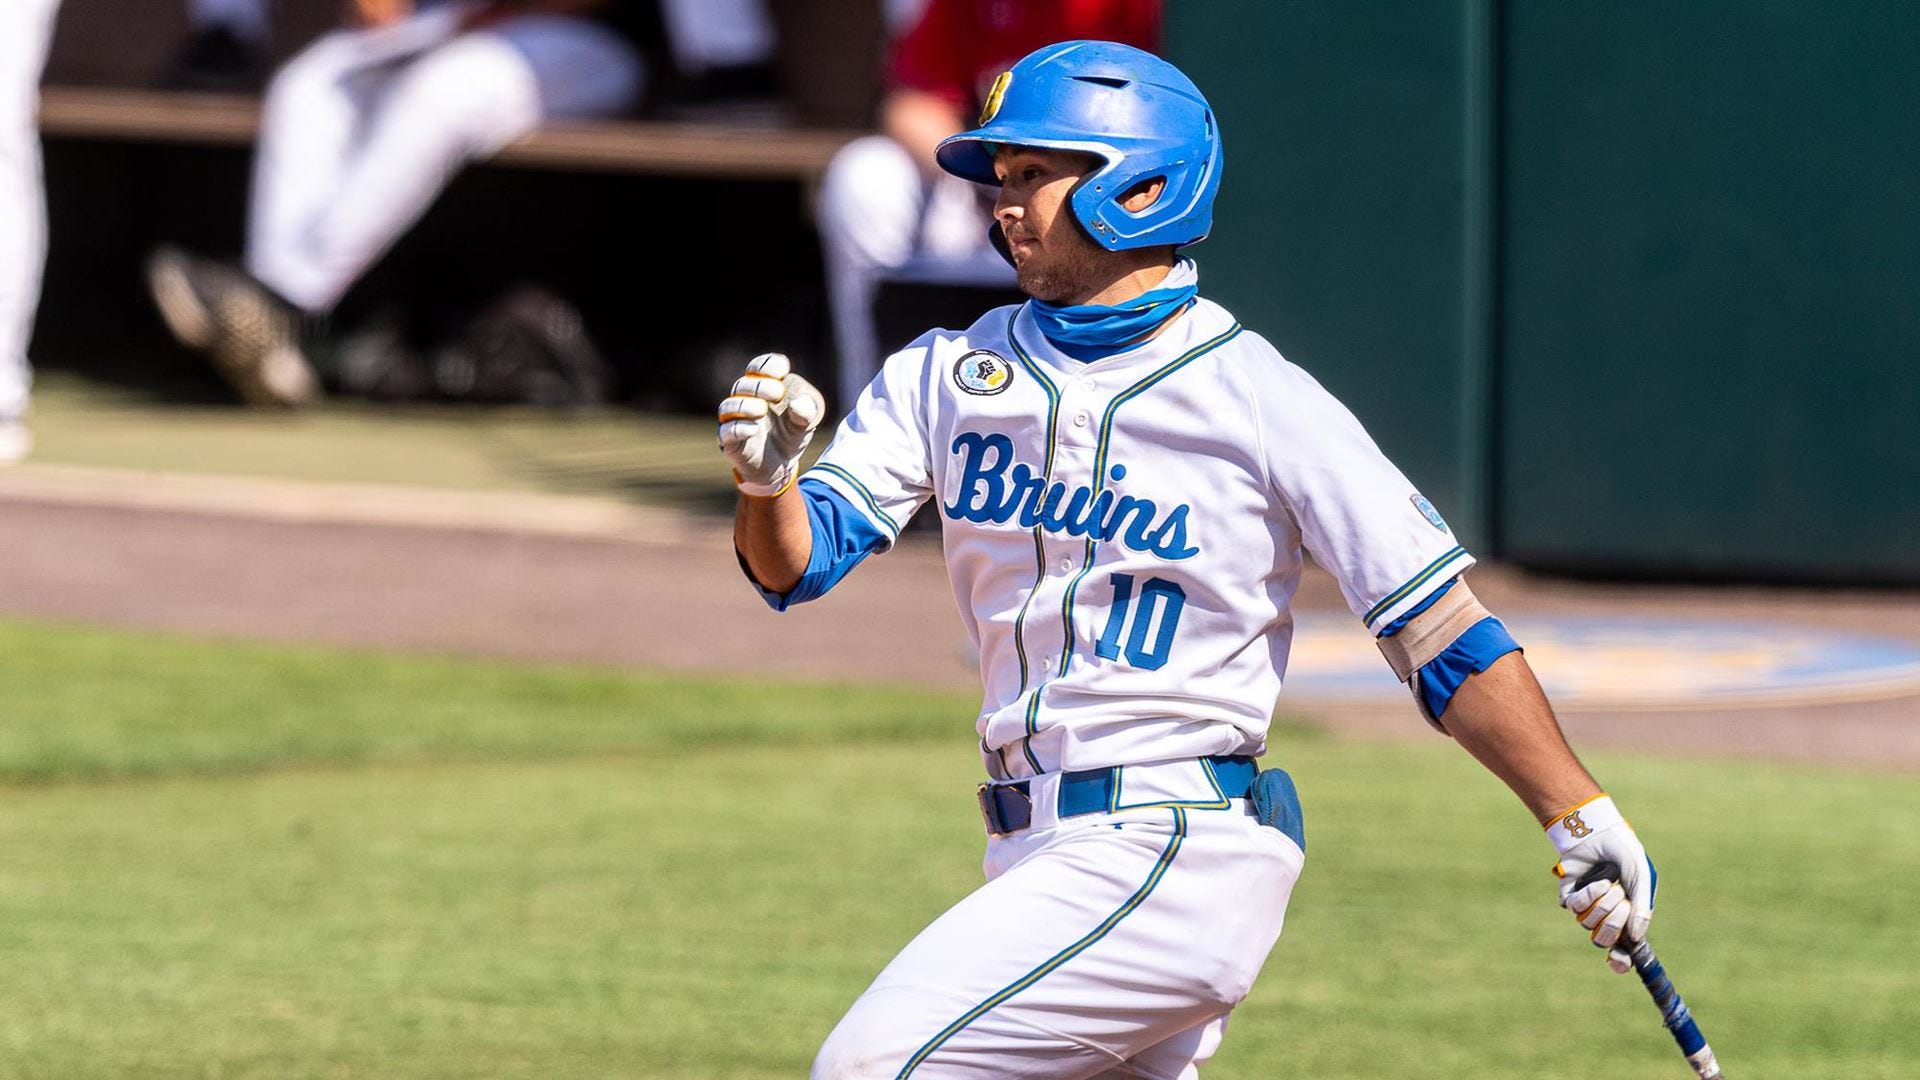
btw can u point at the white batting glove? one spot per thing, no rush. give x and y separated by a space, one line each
766 423
1614 909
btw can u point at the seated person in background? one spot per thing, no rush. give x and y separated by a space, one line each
886 210
360 133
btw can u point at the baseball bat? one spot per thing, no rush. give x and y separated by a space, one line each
1673 1008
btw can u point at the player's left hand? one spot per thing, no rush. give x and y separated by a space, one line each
766 423
1617 906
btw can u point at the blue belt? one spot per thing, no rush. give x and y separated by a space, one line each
1008 808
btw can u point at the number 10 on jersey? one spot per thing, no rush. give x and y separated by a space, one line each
1158 616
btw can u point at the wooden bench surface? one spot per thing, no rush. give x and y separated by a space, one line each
671 148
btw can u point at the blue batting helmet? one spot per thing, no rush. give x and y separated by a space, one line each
1130 108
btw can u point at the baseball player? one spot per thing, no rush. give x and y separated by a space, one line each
1128 482
26 27
360 133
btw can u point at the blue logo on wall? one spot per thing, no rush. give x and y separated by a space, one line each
1427 511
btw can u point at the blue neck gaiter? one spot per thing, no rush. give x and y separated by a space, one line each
1088 332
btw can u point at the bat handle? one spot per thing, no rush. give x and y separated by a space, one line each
1674 1012
1673 1008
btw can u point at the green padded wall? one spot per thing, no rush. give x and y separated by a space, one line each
1625 288
1711 288
1338 233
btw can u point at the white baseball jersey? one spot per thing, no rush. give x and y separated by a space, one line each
1124 537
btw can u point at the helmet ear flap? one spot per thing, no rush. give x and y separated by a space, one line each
1091 199
1114 224
1153 187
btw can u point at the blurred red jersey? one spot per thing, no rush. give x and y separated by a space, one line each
959 46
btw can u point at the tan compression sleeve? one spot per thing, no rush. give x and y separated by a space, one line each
1428 634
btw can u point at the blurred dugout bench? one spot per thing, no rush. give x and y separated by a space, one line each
827 55
743 173
716 150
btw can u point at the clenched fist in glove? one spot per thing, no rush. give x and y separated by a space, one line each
1617 907
765 425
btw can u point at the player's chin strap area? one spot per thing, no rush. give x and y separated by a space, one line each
1427 635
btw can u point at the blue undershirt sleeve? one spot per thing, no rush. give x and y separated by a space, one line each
1400 623
1472 652
842 536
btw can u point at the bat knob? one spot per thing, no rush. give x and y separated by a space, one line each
1600 871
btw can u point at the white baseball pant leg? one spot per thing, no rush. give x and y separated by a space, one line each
1094 951
878 217
26 27
352 155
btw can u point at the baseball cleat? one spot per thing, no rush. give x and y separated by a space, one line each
183 290
251 335
257 348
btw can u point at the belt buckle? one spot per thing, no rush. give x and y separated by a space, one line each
996 800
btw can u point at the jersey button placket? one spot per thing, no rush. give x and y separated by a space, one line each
1079 421
1063 552
1078 441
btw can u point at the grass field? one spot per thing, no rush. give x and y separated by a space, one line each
225 860
613 453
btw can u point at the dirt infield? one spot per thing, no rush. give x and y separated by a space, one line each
553 579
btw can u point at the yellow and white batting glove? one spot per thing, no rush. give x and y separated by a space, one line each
1616 907
766 423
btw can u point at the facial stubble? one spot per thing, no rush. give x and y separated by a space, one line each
1065 274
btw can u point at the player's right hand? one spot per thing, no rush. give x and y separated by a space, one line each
766 422
1606 879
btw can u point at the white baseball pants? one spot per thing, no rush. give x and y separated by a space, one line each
364 129
26 26
880 219
1107 946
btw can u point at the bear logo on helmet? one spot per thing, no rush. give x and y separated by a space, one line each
995 95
